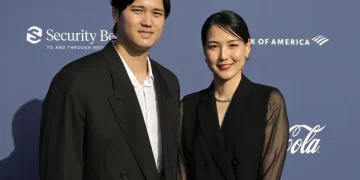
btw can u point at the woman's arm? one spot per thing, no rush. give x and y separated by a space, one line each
276 137
181 173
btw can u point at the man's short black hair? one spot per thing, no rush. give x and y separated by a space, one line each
122 4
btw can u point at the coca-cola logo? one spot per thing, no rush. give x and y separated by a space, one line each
306 145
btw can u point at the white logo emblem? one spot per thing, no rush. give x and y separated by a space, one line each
309 144
34 35
320 40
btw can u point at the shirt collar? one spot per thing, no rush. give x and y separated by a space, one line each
150 77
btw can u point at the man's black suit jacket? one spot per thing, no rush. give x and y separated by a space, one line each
92 127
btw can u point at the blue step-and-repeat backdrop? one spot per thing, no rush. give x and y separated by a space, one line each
308 49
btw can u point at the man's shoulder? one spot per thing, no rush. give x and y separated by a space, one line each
79 71
84 63
165 72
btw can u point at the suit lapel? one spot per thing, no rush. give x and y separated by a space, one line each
164 101
128 113
236 121
209 125
235 117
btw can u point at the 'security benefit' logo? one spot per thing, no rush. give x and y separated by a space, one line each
34 35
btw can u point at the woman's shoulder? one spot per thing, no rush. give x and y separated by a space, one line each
266 89
272 94
194 96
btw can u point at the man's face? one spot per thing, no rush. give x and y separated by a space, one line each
141 24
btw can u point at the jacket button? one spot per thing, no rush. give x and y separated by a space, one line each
236 161
204 163
173 170
124 175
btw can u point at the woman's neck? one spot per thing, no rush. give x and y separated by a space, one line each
224 90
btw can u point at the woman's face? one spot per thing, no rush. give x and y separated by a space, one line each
225 53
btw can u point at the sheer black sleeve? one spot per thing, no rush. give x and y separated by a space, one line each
181 174
276 137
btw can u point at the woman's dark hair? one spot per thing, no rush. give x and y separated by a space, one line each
229 21
122 4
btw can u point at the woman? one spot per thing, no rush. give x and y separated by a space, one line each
234 129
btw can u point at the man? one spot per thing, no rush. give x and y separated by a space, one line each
112 115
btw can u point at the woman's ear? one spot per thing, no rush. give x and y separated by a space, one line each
248 49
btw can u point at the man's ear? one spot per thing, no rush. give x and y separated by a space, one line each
115 15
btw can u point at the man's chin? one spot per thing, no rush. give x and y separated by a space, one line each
144 46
